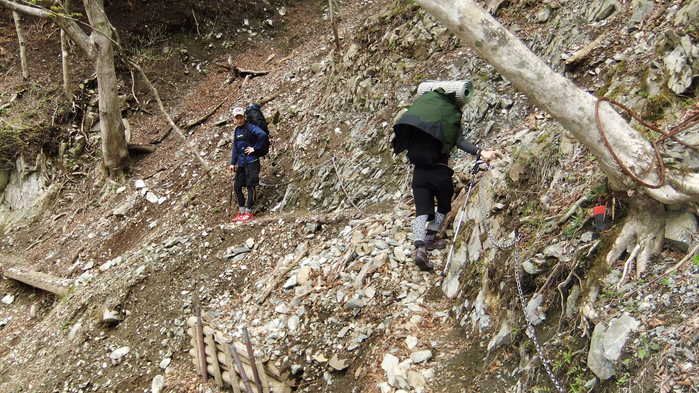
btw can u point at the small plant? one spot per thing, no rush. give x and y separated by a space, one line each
538 389
645 348
575 225
695 260
623 379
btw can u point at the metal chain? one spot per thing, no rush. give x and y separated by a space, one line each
500 245
531 332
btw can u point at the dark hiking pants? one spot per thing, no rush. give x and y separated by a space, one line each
430 184
247 176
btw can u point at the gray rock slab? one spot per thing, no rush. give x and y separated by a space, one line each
602 9
607 343
689 14
503 337
680 229
232 252
641 9
678 67
534 312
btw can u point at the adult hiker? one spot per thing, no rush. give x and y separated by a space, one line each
428 130
245 163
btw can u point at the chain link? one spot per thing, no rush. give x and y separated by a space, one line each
531 332
500 245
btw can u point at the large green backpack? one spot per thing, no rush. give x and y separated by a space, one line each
436 114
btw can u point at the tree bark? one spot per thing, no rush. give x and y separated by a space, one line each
70 26
64 55
114 149
22 44
99 47
331 11
568 104
644 228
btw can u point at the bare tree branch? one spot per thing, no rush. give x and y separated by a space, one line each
67 24
22 44
192 148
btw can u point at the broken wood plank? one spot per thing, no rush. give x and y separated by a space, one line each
263 376
234 381
241 369
206 115
199 338
211 357
582 53
237 71
47 282
251 355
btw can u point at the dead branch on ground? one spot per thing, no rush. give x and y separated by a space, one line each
190 145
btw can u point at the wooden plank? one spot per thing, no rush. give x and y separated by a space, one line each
251 355
263 376
215 363
222 362
199 340
243 375
47 282
274 386
220 348
234 380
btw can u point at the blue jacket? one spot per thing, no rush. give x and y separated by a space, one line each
247 135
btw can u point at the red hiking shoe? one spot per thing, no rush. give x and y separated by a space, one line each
247 217
238 217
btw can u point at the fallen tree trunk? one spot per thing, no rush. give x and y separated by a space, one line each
56 285
141 148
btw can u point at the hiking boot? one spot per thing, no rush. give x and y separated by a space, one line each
422 260
435 244
238 216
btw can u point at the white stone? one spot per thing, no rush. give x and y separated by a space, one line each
139 184
281 308
421 356
165 362
151 197
417 381
118 354
293 323
411 342
291 282
385 387
8 299
158 384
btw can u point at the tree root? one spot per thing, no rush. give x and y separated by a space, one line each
644 229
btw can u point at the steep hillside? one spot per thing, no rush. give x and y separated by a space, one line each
324 278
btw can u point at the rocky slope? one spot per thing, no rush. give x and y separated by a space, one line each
353 313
